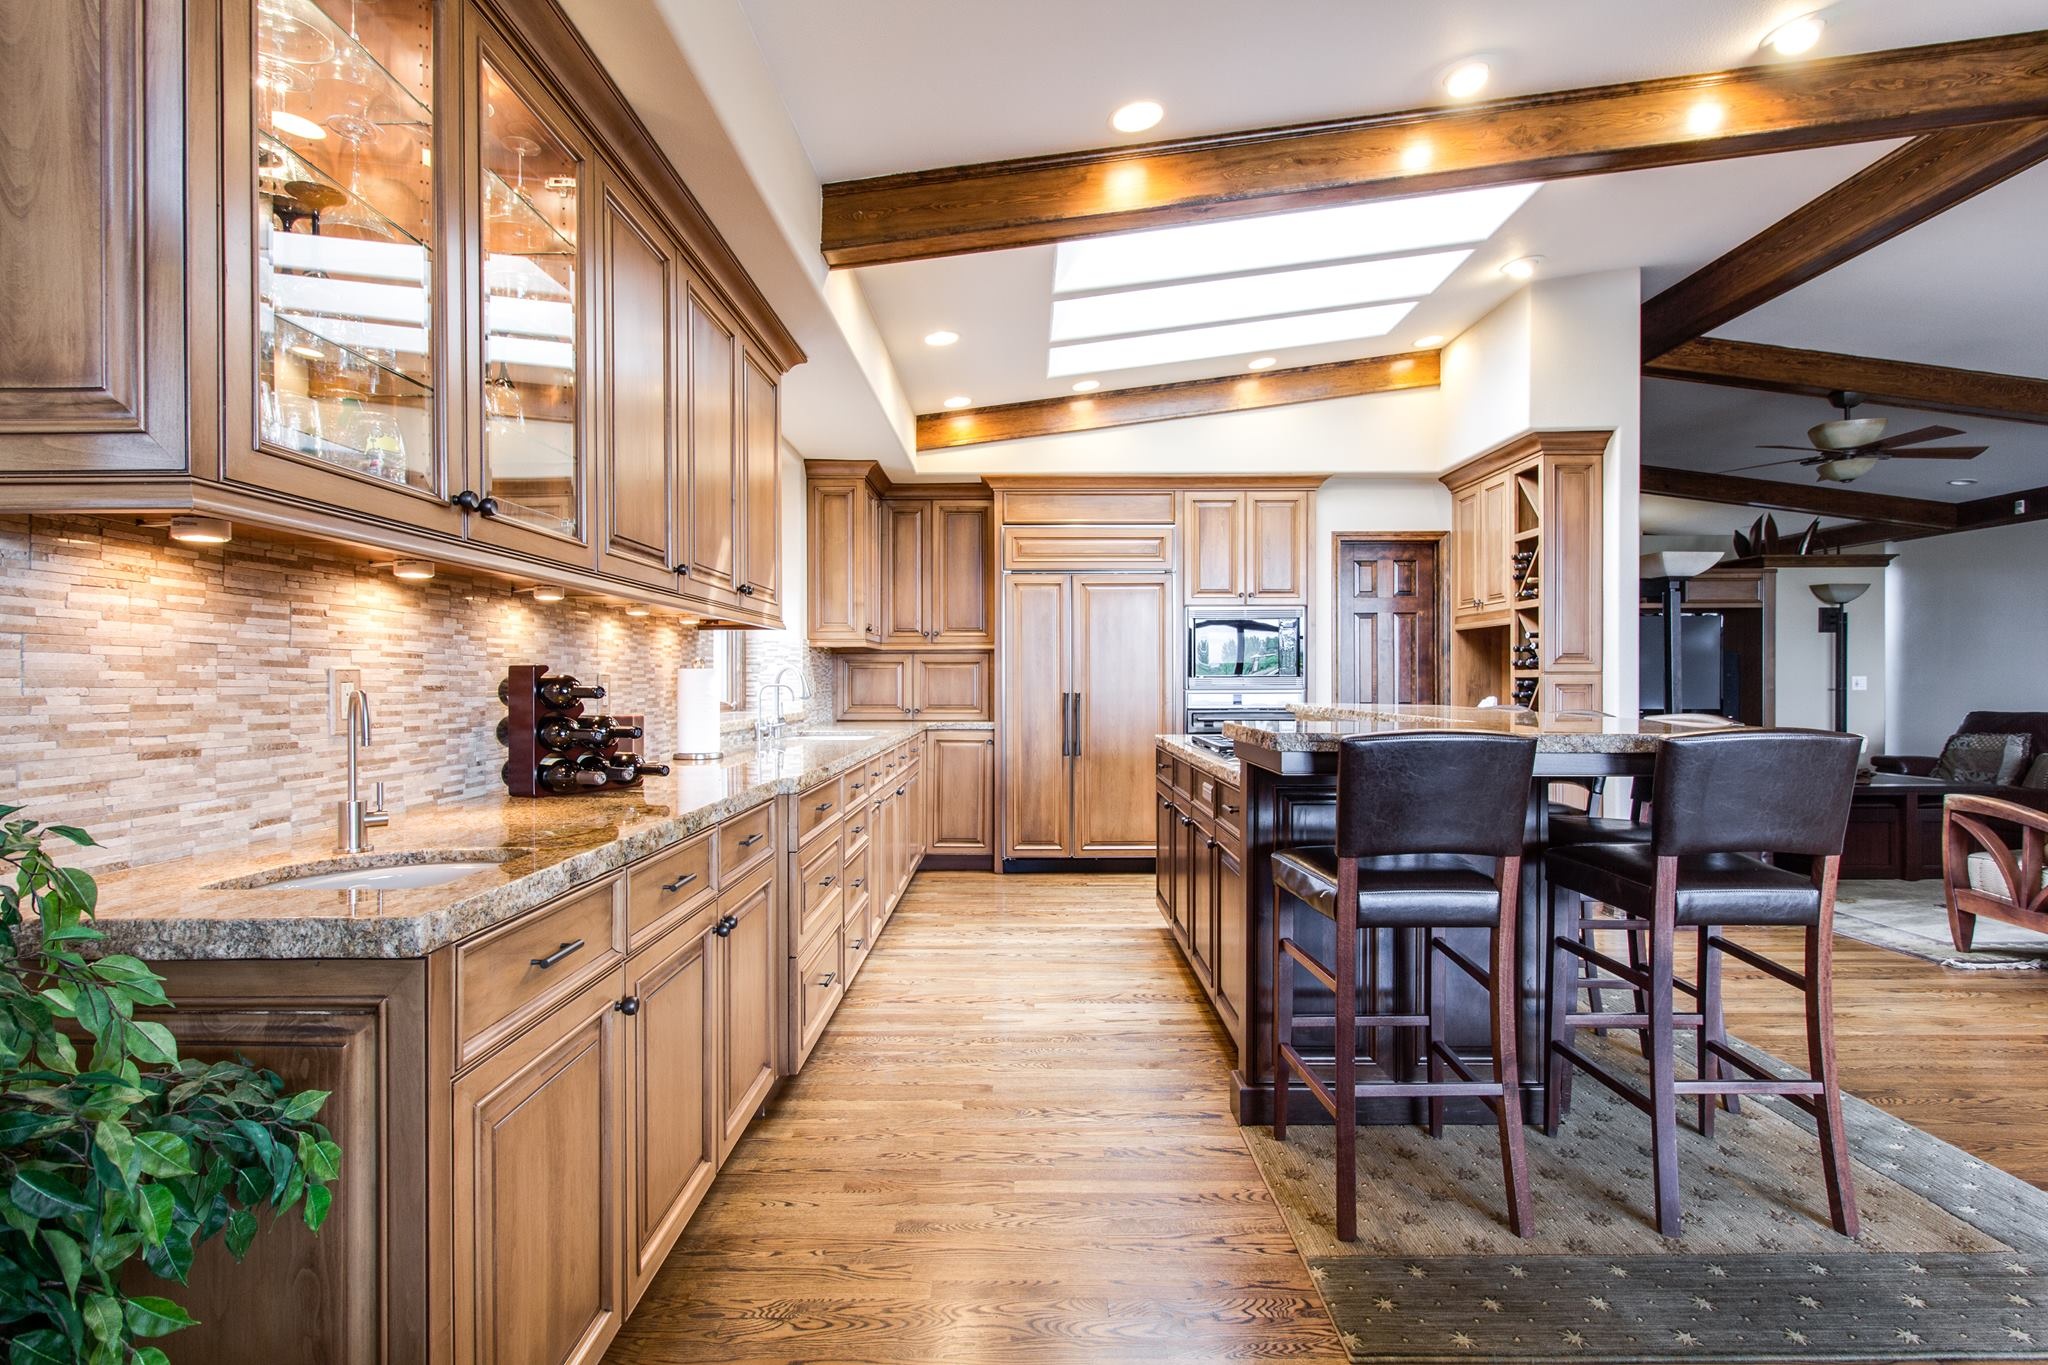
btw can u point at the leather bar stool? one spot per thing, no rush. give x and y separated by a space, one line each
1568 824
1720 802
1429 831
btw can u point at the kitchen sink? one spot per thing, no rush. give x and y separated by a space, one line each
395 872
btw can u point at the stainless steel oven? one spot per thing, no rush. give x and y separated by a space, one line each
1207 712
1245 649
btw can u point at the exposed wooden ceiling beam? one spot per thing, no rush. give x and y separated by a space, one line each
1814 499
1191 398
1904 188
2000 509
1898 383
1035 200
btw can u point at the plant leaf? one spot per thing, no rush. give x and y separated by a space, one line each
164 1154
103 1317
71 832
45 1194
241 1230
318 1200
153 1043
64 1250
150 1316
40 1347
305 1104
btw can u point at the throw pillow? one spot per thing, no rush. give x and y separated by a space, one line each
1981 760
2037 776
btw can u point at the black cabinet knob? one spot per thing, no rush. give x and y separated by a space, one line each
725 926
629 1007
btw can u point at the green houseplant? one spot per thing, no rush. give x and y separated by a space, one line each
114 1149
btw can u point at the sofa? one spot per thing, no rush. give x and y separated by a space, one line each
2033 724
1897 831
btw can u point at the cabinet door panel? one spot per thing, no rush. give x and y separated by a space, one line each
671 1092
1125 698
1571 566
874 687
1495 517
1276 547
950 686
1162 862
747 970
761 500
713 499
839 546
1037 798
962 547
1227 885
906 571
637 368
1212 547
962 772
536 1190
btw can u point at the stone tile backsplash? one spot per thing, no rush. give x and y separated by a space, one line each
174 699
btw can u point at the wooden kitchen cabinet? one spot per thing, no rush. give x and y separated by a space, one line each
907 686
839 535
1277 547
760 489
873 687
1212 558
748 967
915 572
711 508
906 572
639 424
962 578
1245 545
960 766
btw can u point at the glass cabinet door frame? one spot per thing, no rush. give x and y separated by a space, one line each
250 459
485 43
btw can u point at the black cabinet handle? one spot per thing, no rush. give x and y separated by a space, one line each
858 785
629 1007
679 883
557 955
682 569
725 926
1229 809
746 590
1185 821
468 501
822 807
751 840
860 829
833 877
901 790
828 978
857 943
858 882
1211 843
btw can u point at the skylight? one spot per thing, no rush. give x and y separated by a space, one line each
1163 307
1383 227
1202 343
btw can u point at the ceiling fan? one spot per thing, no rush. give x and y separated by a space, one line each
1844 450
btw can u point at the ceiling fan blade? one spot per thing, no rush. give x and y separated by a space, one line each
1768 464
1940 453
1909 437
1814 449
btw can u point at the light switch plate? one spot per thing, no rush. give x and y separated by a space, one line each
341 682
1858 683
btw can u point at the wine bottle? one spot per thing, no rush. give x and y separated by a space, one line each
562 735
565 692
612 729
570 774
626 769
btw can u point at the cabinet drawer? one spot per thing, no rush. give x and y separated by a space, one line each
1229 807
860 939
666 886
818 891
820 985
1088 547
855 876
511 976
856 829
744 842
818 807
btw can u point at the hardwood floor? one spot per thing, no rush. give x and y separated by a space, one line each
1011 1146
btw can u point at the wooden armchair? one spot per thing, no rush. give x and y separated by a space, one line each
2008 886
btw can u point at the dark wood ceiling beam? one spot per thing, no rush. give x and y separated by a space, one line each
1191 398
1999 509
1814 499
1897 383
1035 200
1906 187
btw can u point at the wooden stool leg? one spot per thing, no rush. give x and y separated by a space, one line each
1711 1029
1283 1011
1347 1051
1663 1098
1562 985
1820 1058
1435 985
1507 1067
1589 937
1640 1001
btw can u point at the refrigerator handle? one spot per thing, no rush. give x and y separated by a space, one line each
1076 724
1066 725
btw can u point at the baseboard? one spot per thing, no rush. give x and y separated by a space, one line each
957 862
1078 865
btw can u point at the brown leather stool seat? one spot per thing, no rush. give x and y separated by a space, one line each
1713 888
1443 890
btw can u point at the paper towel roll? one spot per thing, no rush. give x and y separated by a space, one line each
697 699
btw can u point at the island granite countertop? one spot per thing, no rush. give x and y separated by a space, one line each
1218 766
1324 728
216 905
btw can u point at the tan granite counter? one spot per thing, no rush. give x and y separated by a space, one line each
212 906
1560 732
1183 747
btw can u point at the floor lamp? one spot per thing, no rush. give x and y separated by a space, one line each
1834 620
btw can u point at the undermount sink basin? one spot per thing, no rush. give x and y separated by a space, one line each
395 875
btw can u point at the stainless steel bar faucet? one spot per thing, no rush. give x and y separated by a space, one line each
355 817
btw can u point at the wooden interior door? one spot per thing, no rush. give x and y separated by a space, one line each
748 969
1388 646
1037 788
671 1092
1125 688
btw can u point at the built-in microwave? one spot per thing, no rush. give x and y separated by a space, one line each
1241 649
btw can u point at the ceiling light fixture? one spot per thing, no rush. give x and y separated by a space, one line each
413 570
1417 155
1706 118
958 400
1522 267
195 530
1264 362
1432 342
1795 37
1137 116
1088 386
942 337
547 592
637 610
1466 79
1961 483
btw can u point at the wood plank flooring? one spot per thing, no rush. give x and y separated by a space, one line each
1012 1145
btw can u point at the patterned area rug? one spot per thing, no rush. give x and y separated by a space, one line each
1911 917
1952 1263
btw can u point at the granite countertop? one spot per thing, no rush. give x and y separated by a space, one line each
215 906
1216 765
1322 728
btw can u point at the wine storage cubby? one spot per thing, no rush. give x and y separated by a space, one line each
554 745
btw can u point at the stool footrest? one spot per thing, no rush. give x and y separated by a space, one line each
1632 978
1309 963
1470 968
1796 980
1633 1021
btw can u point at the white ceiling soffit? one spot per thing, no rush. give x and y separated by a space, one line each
1667 221
1707 427
881 86
1968 288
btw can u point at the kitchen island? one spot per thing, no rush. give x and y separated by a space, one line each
1287 775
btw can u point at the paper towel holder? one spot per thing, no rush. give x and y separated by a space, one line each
687 756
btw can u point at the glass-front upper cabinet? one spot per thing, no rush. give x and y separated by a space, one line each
344 227
532 175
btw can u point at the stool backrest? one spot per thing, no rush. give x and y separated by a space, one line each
1433 792
1754 791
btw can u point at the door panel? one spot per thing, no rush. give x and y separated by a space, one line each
1495 517
1276 547
962 545
713 496
906 571
1037 800
874 687
962 770
637 413
951 686
838 529
1387 622
671 1092
747 971
761 543
1212 546
1125 688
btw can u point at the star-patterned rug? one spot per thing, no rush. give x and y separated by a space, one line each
1951 1264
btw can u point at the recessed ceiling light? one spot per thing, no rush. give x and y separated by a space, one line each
296 124
194 530
1264 362
1231 338
1522 267
1796 37
1705 117
958 400
1383 227
1466 79
1137 116
941 338
1417 155
1312 289
1429 343
1960 483
1088 386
